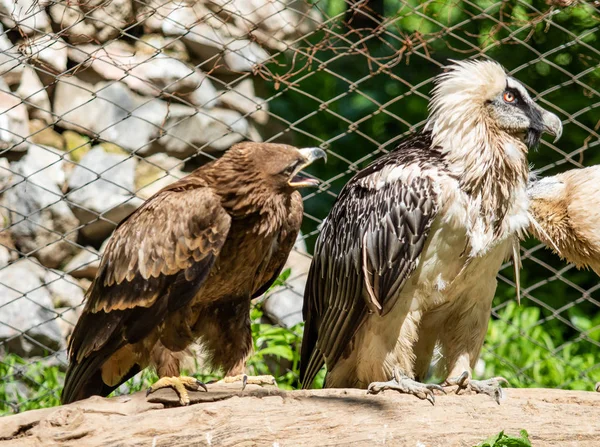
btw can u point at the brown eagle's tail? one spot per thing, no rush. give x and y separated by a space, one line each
84 379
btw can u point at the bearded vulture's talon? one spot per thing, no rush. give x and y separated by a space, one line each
406 385
492 387
461 382
436 387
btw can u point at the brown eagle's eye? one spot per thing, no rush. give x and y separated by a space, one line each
509 97
289 170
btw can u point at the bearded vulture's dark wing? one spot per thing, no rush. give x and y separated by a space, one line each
369 246
155 262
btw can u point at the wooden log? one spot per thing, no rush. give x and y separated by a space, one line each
271 417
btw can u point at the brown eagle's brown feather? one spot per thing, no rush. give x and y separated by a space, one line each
185 266
285 243
151 258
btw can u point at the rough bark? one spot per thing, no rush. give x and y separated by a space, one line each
271 417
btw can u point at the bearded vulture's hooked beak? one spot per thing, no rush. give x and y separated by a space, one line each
552 124
310 154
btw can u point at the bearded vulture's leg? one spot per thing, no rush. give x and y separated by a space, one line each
461 340
180 384
405 384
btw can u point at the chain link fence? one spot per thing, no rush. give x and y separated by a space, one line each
102 103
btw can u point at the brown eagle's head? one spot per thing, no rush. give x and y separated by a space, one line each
276 166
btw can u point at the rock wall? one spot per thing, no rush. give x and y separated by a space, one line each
102 103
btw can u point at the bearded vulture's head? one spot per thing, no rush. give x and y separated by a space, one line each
476 102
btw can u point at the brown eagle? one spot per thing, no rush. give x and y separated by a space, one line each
183 268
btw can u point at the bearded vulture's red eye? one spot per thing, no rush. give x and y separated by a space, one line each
509 97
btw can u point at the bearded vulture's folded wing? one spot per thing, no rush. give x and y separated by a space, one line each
368 248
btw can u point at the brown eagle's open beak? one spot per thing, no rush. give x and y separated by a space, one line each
309 154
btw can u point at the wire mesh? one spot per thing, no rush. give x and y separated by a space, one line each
102 103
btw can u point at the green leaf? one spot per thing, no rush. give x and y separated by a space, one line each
504 440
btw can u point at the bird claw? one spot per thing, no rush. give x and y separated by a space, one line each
406 385
492 387
180 385
461 382
246 379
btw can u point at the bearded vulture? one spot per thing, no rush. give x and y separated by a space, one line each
408 256
184 267
565 214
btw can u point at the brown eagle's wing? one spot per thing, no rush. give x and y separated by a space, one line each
285 242
368 248
155 262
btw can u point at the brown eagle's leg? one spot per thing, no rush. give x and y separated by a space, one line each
180 384
168 365
246 379
225 331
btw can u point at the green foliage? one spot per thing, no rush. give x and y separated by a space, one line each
28 385
504 440
530 354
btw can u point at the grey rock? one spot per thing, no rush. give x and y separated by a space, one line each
84 264
34 95
150 74
209 43
92 20
8 252
48 51
28 324
157 43
205 95
101 191
243 99
10 60
27 15
42 223
66 321
6 175
14 121
112 112
272 23
217 128
64 289
155 172
283 305
72 22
